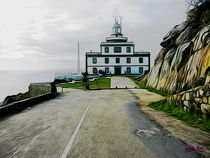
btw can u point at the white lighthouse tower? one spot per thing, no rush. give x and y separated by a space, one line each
117 55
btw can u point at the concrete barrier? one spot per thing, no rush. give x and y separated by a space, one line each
35 89
22 104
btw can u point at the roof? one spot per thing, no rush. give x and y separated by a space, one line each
117 39
98 54
117 43
142 53
93 53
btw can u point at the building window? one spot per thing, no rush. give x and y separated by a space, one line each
95 70
106 49
117 49
128 60
94 60
106 60
117 60
140 60
106 70
128 70
128 49
141 70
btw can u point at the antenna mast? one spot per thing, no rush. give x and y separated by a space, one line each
78 60
120 24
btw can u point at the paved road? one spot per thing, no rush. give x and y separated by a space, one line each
122 82
112 126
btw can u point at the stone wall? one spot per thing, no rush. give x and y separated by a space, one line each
36 89
196 100
22 104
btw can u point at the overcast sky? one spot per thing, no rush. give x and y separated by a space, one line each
43 34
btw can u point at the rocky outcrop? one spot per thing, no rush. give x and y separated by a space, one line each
185 56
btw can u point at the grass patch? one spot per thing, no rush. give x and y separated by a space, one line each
101 83
191 119
77 85
141 84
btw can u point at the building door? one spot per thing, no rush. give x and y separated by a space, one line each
118 70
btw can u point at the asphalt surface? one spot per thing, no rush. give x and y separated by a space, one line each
180 129
109 122
154 136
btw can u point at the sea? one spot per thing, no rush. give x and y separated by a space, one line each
13 82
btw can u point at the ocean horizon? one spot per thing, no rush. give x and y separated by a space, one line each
13 82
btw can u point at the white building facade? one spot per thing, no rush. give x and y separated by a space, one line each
117 56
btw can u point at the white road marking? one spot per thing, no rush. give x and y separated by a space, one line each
68 146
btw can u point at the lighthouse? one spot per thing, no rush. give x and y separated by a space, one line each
117 55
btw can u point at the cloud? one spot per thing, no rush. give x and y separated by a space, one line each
43 34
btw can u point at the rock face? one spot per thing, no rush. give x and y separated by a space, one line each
185 56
